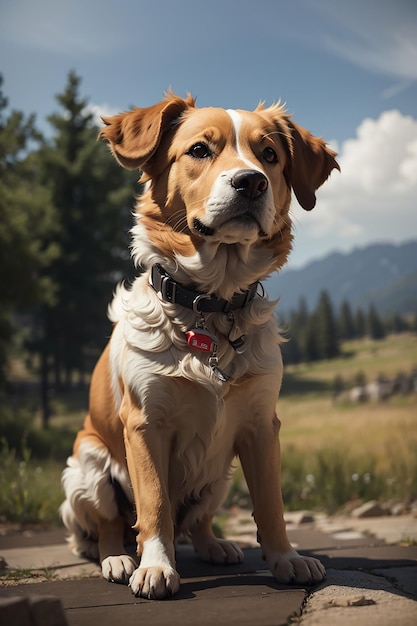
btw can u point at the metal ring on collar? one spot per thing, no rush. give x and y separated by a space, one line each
203 296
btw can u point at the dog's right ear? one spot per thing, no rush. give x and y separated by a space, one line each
135 136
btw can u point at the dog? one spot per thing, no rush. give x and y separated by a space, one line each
191 375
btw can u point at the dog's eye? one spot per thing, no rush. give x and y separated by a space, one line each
200 151
269 155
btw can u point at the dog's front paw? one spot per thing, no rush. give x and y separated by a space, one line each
292 568
154 583
219 551
118 569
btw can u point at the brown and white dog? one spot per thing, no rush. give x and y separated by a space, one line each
191 375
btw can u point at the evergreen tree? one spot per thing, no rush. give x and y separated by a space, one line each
396 324
346 324
290 349
360 324
27 220
310 340
327 335
294 351
375 327
93 198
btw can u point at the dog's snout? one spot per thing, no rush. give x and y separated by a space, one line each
250 183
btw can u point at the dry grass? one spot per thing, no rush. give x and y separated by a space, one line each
333 451
380 429
396 353
311 419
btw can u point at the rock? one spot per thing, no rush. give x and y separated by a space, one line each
299 517
32 611
369 509
398 509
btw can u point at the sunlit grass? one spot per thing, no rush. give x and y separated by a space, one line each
333 452
30 491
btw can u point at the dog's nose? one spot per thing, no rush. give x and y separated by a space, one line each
250 183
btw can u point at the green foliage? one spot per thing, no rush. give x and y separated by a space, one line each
332 478
27 218
20 434
66 210
93 198
29 493
316 335
375 326
327 335
312 336
346 324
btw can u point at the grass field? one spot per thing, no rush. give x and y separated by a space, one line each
336 451
312 418
333 452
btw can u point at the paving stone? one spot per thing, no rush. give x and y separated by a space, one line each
405 578
366 583
358 598
243 601
37 610
15 610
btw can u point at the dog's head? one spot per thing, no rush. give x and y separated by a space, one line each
219 177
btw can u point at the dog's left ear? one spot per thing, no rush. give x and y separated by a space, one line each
310 164
135 136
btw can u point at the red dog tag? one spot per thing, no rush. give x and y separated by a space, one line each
202 340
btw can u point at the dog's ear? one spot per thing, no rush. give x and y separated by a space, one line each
310 164
135 136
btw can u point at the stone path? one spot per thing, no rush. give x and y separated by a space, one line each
372 580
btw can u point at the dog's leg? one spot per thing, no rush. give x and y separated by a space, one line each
259 452
148 460
90 511
116 565
210 548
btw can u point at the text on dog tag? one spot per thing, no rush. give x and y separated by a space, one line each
200 339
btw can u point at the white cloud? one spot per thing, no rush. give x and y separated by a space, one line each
99 110
377 35
374 196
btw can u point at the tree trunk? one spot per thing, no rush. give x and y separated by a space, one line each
45 407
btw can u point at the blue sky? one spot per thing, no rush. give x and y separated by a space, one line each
346 69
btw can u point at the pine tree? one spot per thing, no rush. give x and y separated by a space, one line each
346 325
327 335
360 324
93 199
27 220
310 340
375 327
295 350
396 324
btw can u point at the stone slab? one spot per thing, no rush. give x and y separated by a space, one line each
231 600
359 598
37 610
405 578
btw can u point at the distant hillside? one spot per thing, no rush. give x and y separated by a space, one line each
382 274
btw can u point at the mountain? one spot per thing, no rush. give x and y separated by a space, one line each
382 274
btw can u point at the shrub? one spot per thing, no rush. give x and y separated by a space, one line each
29 492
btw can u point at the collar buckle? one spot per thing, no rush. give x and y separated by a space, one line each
175 293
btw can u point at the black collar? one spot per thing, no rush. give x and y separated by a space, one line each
171 291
